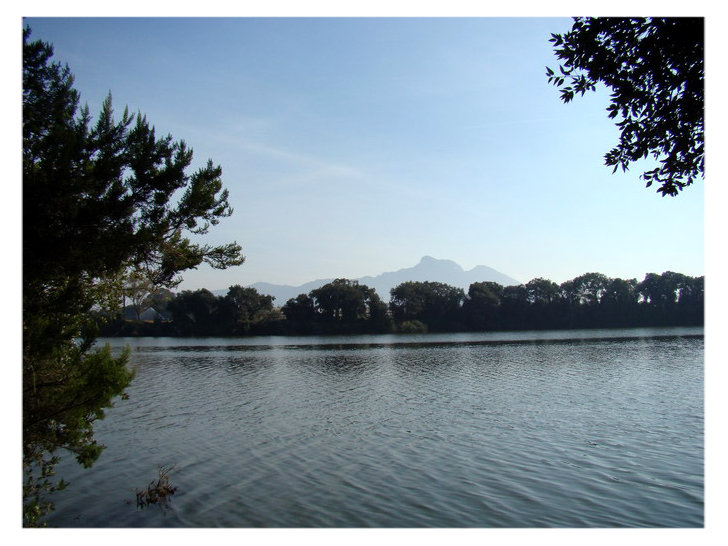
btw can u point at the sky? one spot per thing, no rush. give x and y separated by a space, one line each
355 146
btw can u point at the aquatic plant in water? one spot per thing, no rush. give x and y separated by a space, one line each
158 491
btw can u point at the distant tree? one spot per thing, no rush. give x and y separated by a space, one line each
547 308
654 68
300 309
341 299
691 291
436 304
691 300
587 289
481 307
514 311
99 200
620 292
379 319
583 296
352 304
619 303
194 313
247 308
661 290
542 291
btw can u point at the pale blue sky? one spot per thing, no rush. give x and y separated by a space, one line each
356 146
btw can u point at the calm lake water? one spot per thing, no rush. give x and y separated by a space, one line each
599 428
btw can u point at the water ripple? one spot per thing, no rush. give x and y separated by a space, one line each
509 433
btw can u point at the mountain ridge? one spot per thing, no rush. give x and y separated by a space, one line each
428 269
435 270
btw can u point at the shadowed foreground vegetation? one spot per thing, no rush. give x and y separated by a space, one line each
343 306
106 205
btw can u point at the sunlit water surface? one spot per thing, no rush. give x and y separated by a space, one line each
533 429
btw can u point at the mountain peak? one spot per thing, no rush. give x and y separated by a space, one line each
428 269
429 261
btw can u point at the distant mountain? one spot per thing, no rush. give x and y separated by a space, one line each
432 269
429 269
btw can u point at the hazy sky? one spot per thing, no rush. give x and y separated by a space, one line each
356 146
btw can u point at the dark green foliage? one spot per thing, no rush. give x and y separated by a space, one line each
245 308
242 311
619 304
654 68
672 297
341 307
542 292
514 307
102 202
193 312
588 289
591 300
37 487
63 395
436 304
341 300
104 192
481 307
300 309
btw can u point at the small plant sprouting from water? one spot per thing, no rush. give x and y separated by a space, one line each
158 491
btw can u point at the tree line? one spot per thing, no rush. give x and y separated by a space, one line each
344 306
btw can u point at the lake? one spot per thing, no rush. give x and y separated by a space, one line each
598 428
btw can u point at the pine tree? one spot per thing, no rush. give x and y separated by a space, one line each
100 201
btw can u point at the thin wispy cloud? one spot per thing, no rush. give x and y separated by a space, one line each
317 164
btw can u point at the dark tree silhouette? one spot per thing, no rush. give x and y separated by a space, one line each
435 304
347 306
193 312
99 200
654 68
591 300
300 309
481 307
244 308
